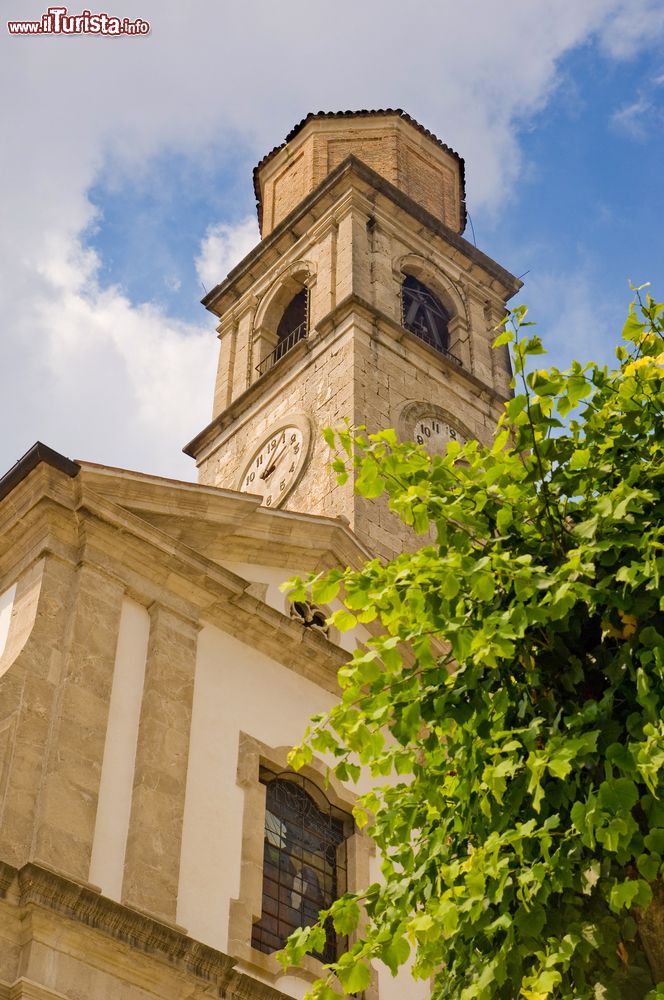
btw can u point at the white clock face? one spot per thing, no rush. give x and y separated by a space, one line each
275 466
434 433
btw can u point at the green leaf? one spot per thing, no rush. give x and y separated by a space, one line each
618 796
354 977
483 586
360 816
329 436
344 620
325 590
345 915
649 865
505 337
395 953
534 346
631 892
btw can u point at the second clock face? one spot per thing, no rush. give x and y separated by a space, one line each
275 466
434 433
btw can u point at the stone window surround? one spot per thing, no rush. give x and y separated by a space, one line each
248 906
450 294
301 274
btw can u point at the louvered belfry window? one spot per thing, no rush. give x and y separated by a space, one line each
424 314
304 861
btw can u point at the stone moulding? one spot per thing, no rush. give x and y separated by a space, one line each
318 201
244 910
35 885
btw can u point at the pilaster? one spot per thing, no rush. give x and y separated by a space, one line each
32 661
75 749
152 860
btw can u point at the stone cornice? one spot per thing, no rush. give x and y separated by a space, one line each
351 170
174 568
186 511
306 349
37 886
189 513
36 455
394 332
202 590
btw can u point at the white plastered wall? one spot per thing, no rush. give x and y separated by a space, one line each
271 576
6 608
239 689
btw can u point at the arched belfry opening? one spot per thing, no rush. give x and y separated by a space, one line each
293 324
424 315
284 322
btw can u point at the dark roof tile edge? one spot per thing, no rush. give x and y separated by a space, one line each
32 458
364 113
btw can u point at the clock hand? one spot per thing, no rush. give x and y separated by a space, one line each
273 464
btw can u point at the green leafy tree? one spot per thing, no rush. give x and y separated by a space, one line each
509 705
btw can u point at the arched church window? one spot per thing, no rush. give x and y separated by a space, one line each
424 315
304 861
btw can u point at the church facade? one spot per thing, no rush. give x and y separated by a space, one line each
153 676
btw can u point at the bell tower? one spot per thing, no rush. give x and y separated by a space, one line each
362 301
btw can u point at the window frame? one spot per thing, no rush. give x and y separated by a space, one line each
337 871
253 757
266 348
437 340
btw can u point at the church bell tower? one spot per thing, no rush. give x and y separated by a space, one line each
362 301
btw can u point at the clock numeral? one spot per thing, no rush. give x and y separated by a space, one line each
275 442
275 465
425 430
452 433
419 439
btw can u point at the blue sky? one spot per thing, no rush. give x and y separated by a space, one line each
128 189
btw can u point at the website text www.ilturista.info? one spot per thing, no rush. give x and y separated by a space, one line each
57 21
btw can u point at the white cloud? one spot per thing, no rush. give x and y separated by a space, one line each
583 326
111 380
223 247
634 119
632 26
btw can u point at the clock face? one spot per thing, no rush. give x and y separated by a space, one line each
434 433
275 465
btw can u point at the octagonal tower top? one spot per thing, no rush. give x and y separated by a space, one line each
389 141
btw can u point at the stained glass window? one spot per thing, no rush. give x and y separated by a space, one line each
304 861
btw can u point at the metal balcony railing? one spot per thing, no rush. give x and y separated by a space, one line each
285 345
423 334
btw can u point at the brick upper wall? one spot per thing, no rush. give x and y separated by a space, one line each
390 143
